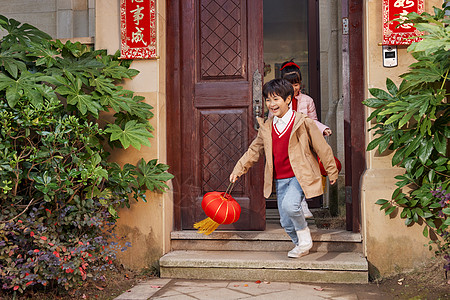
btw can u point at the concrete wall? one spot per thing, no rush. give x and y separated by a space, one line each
59 18
390 246
146 225
332 112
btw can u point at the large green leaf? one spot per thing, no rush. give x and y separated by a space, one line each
393 118
391 87
84 103
103 85
440 143
134 134
117 101
376 142
140 108
45 53
425 150
12 62
115 70
153 175
374 102
21 33
25 86
380 94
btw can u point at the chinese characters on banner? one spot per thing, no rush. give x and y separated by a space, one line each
138 29
398 9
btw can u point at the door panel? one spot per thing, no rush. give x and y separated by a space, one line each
220 52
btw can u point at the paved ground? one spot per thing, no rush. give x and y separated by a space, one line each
174 289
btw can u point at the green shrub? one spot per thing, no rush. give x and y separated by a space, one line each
59 194
413 121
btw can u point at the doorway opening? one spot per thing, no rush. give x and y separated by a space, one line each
291 33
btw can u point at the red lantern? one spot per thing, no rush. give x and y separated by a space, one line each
322 169
220 208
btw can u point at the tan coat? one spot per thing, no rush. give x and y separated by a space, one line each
304 143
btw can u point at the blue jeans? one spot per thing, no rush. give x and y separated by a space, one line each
289 196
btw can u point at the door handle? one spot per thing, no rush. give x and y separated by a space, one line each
257 97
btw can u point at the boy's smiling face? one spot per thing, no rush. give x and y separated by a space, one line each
277 105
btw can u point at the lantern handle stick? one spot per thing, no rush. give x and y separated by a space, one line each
229 188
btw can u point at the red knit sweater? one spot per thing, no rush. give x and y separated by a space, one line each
280 142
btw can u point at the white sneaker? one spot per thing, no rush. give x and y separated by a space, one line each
304 239
297 252
306 212
304 245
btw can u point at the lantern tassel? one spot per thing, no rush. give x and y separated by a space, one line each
206 226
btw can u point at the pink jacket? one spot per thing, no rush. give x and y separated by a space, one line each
306 105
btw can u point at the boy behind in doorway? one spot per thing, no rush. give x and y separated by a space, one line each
287 140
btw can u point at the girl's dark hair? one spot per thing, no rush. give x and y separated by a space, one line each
293 77
279 87
288 67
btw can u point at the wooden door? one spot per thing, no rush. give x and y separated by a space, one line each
218 80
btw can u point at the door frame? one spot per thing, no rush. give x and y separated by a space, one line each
173 94
354 113
353 90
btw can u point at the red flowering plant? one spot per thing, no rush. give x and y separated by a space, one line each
59 194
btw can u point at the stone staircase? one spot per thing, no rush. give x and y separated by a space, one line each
336 256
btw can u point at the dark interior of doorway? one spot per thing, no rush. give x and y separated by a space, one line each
291 30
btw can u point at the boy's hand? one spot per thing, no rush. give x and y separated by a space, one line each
332 182
327 132
233 178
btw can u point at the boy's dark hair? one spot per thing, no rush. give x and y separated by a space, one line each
289 67
279 87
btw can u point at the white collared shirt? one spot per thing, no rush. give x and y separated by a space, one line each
281 123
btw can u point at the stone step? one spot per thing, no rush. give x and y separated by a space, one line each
272 239
319 267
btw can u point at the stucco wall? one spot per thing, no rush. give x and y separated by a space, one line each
146 225
390 246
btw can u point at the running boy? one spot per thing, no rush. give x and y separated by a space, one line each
287 139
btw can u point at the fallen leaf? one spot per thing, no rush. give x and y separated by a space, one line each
100 288
245 284
267 282
258 281
319 289
236 285
155 286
